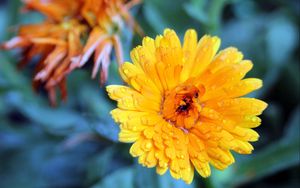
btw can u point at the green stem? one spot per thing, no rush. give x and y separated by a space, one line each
215 14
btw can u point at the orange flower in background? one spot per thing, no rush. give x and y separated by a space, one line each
105 17
183 108
72 32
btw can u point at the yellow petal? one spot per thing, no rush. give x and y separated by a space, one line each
207 48
161 170
245 134
241 147
202 168
224 156
226 77
241 106
224 58
117 92
137 79
129 99
136 149
151 161
188 173
249 121
190 44
128 136
243 87
144 57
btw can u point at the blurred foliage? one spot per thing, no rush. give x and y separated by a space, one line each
75 144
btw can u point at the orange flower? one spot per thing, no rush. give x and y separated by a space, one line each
105 18
183 108
60 40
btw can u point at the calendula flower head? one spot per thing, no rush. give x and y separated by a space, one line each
183 108
70 34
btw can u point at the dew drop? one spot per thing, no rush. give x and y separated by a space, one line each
213 87
247 118
135 102
220 104
123 90
219 128
165 165
148 145
254 119
208 135
144 120
129 117
126 71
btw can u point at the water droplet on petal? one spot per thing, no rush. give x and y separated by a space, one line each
144 120
254 119
126 71
165 165
148 145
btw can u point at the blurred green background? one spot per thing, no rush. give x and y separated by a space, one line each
75 144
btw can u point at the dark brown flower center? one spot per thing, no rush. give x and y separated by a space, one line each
181 106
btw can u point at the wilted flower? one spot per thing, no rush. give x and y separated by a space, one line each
183 108
71 33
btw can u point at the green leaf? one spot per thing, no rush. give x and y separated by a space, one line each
208 13
293 128
281 41
108 130
12 77
38 160
289 82
146 177
55 120
96 101
97 112
196 11
99 165
123 177
245 9
159 15
154 18
282 38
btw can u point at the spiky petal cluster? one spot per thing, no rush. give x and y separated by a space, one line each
183 108
71 33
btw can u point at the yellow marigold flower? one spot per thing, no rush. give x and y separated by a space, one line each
183 108
72 32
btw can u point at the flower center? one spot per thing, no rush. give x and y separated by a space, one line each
181 106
